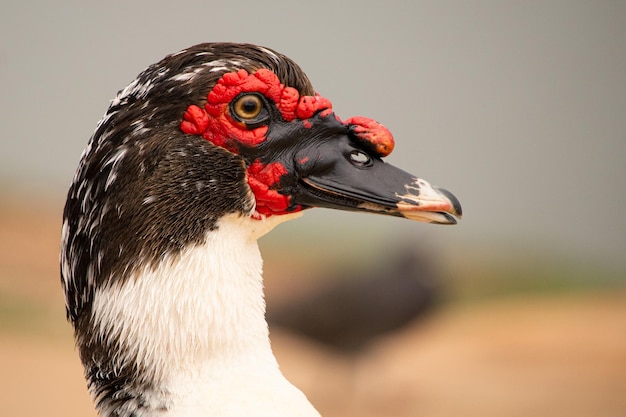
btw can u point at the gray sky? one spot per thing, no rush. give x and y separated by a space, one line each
518 107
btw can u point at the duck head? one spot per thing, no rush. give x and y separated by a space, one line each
299 154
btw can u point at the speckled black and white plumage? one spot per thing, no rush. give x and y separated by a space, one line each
138 168
144 191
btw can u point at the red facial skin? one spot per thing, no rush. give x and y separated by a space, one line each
373 132
261 179
215 124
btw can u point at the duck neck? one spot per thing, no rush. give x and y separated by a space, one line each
189 327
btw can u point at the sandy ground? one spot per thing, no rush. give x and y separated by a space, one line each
533 356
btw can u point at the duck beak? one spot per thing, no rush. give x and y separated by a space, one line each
342 174
382 189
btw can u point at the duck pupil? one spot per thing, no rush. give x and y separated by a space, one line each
249 106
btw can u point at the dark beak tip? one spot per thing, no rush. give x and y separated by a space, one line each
456 204
451 221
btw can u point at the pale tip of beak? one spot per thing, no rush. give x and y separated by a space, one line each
430 204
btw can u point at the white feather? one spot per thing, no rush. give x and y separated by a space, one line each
197 322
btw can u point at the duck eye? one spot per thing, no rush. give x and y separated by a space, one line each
360 158
248 106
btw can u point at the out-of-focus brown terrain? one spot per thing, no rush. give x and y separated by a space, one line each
560 353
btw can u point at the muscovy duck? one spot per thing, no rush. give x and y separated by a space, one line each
203 153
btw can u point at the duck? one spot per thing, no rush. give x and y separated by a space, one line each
350 311
203 153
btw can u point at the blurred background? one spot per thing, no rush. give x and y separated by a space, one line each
517 107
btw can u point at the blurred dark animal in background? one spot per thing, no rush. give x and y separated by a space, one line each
354 309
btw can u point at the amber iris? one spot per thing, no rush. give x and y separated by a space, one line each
248 106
